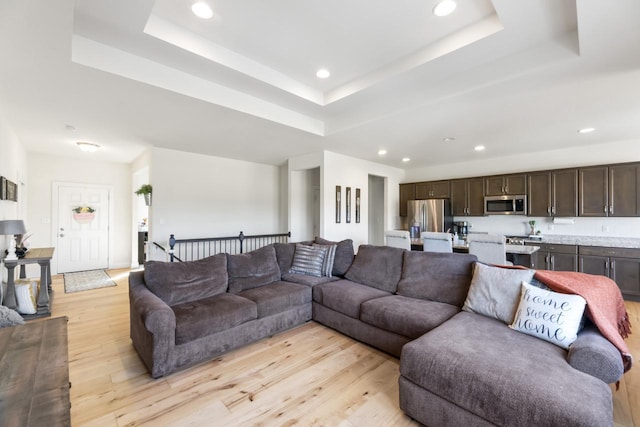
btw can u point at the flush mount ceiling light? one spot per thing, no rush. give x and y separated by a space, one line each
406 159
87 146
444 8
323 73
382 152
479 148
586 130
202 10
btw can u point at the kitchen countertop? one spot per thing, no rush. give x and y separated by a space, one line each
613 242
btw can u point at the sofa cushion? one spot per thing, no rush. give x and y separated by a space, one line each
345 297
308 260
284 255
253 269
197 319
442 277
377 266
406 316
495 291
329 258
344 255
277 297
179 282
504 377
303 279
549 315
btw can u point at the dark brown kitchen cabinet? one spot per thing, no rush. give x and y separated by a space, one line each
624 190
553 193
594 191
505 184
467 197
407 192
622 265
432 190
556 257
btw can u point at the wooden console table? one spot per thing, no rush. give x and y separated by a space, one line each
42 256
34 374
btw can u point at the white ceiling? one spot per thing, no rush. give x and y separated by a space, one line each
514 76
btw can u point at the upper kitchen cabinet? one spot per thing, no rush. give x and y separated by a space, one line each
610 190
624 190
505 184
432 190
594 191
467 197
407 192
553 193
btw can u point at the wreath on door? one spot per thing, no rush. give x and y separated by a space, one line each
83 214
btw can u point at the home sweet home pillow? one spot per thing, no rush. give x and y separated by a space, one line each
549 315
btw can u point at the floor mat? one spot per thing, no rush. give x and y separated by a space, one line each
86 280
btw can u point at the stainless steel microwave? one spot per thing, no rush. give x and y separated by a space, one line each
505 205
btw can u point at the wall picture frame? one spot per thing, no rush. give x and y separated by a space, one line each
338 203
347 199
11 191
3 188
358 206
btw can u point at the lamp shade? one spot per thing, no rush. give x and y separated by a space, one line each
12 226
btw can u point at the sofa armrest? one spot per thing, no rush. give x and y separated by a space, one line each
593 354
152 326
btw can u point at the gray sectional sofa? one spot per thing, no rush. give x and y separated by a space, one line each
456 367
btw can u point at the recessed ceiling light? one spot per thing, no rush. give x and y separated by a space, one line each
449 139
382 152
406 159
87 146
202 10
444 8
479 147
323 73
586 130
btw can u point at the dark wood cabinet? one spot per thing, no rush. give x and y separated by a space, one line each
467 197
553 193
432 190
407 192
622 265
556 257
505 184
539 194
594 191
624 190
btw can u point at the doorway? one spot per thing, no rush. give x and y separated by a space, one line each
376 210
83 215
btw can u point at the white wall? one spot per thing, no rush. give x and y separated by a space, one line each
45 169
351 172
13 166
204 196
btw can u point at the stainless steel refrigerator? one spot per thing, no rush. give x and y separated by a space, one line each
428 215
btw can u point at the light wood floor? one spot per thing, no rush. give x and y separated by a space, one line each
308 376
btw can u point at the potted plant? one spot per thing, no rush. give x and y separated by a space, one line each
145 190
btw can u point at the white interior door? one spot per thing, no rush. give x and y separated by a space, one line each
83 228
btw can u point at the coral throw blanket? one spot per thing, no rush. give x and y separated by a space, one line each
605 306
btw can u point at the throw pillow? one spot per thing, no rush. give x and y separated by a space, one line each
329 258
26 298
344 255
495 291
9 317
549 315
308 260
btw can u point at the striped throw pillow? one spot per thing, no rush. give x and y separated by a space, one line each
308 260
327 266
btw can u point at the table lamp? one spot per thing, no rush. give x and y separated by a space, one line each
11 227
